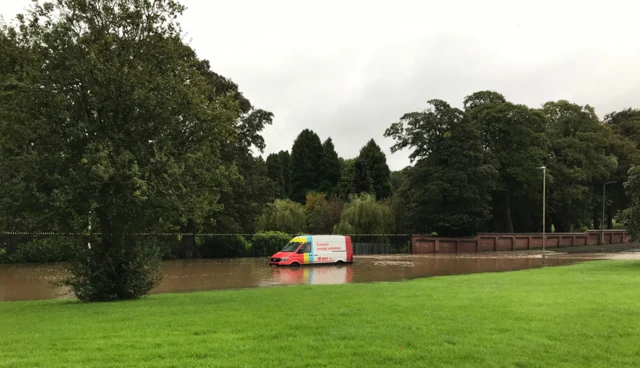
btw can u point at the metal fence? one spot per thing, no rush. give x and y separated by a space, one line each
42 247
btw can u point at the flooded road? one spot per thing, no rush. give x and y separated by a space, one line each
30 282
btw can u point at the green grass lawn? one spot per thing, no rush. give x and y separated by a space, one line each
586 315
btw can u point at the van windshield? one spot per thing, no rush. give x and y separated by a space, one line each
291 247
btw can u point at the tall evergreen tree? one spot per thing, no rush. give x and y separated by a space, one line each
275 172
377 170
285 161
346 184
362 182
305 173
330 168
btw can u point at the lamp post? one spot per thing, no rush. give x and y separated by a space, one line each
544 215
604 188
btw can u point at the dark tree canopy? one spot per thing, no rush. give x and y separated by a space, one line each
377 170
452 180
275 172
514 137
285 161
579 160
305 174
330 167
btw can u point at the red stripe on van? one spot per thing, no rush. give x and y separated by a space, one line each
349 249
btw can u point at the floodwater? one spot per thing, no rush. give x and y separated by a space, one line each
30 282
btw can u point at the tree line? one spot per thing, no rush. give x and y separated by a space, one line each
109 118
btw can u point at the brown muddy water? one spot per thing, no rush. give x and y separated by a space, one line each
30 282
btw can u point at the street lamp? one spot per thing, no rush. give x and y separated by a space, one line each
604 188
544 215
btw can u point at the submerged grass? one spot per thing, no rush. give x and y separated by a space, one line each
586 315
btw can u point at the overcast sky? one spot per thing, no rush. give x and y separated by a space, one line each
348 69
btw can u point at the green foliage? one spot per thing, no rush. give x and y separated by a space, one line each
514 135
580 160
111 273
624 141
45 250
305 174
275 172
109 111
314 199
285 161
322 215
375 171
625 123
451 183
283 215
268 243
364 215
224 246
631 217
346 184
330 167
362 182
399 178
244 198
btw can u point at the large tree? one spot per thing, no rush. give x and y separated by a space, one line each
305 173
330 168
624 142
580 162
247 188
514 137
108 112
376 169
285 161
452 180
364 215
283 215
275 172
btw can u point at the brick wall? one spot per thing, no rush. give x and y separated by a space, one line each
421 244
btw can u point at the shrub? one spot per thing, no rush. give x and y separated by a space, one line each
45 250
268 243
223 246
126 267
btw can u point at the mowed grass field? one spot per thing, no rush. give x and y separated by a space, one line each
586 315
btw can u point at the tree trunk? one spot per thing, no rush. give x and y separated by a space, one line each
566 220
507 213
609 220
596 220
189 248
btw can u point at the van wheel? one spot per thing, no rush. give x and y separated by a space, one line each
339 263
295 265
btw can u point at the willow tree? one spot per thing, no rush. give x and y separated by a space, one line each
364 215
109 114
285 216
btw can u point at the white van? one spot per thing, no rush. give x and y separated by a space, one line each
315 249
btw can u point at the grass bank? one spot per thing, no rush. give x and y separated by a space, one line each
586 315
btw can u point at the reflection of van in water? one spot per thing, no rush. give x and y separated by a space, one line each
313 275
315 249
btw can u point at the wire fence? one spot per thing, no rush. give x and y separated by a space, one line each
44 247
